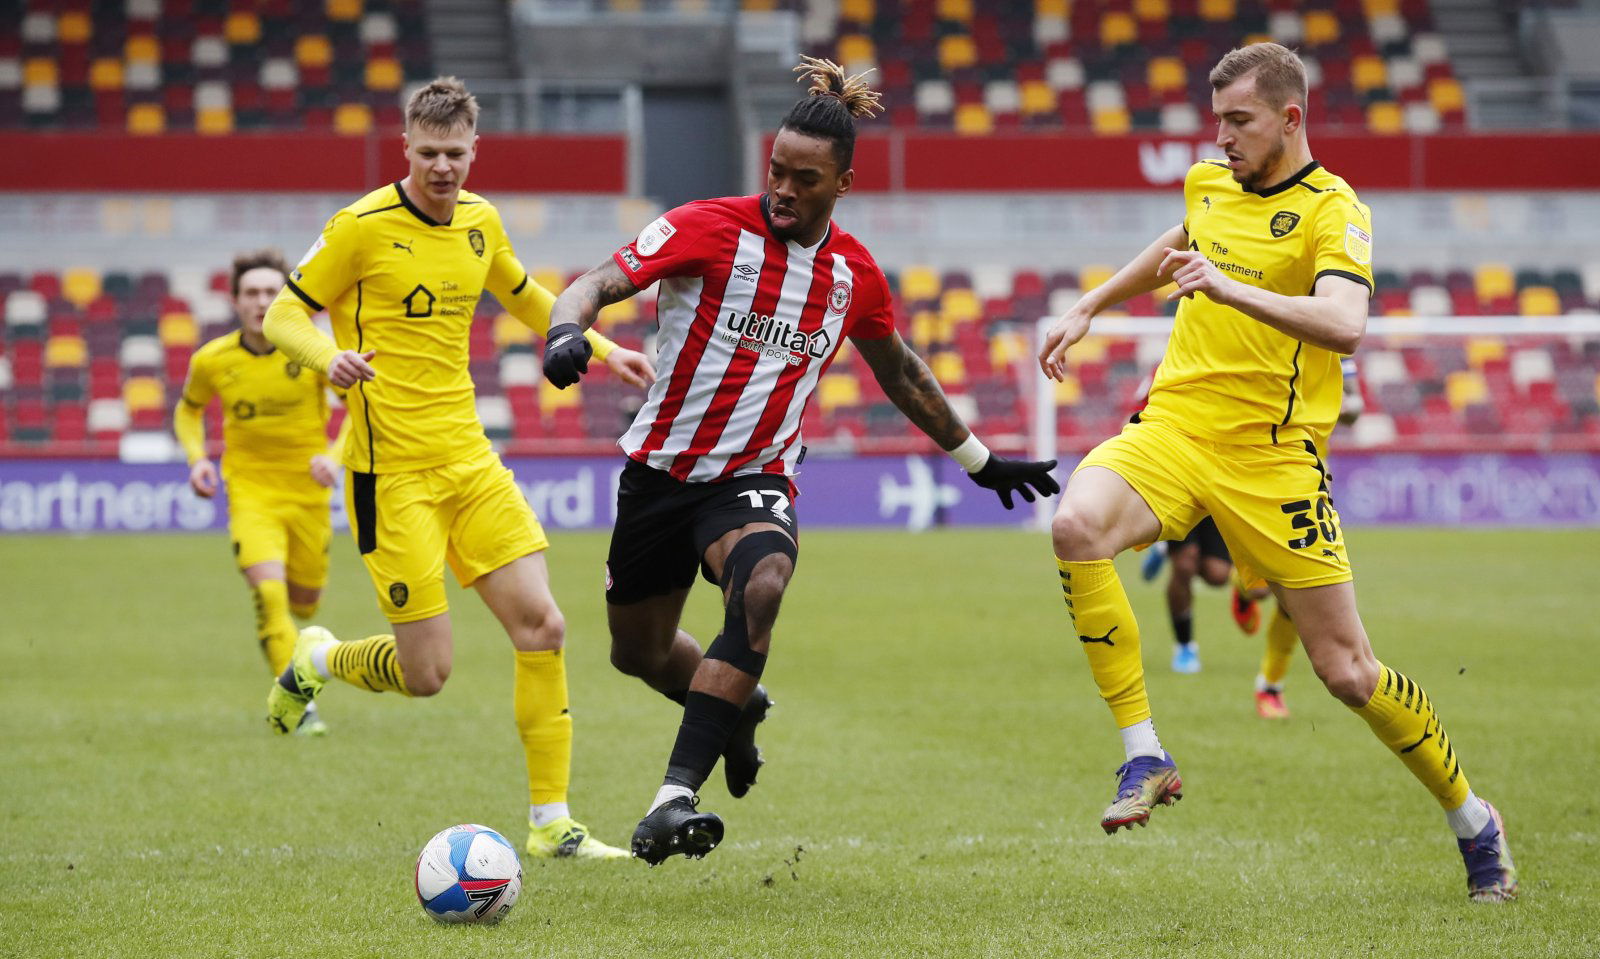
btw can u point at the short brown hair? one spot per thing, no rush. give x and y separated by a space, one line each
442 105
255 260
1280 76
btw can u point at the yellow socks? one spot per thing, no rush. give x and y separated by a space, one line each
303 611
1281 641
1401 715
370 663
275 631
539 700
1110 636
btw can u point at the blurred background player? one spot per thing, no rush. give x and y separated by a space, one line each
1249 385
401 272
757 295
279 467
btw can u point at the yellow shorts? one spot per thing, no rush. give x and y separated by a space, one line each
407 525
280 519
1271 503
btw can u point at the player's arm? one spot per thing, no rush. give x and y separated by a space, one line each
532 305
188 424
575 311
1352 404
1141 275
910 385
330 267
325 466
1333 317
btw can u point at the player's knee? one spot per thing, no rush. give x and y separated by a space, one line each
632 658
1078 536
1215 571
1347 680
427 681
763 592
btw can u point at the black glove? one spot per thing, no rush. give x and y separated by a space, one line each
566 355
1017 476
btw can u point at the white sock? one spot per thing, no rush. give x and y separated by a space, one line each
667 793
1140 740
543 814
1469 818
319 659
1262 685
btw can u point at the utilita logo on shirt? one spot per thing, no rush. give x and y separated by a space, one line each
775 338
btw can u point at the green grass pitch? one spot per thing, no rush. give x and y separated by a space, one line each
938 762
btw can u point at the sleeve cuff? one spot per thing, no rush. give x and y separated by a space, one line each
304 296
1344 274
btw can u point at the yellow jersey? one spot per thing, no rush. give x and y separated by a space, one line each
1232 379
274 410
396 281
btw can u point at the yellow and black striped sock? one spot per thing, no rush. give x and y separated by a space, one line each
1281 641
370 663
539 701
274 629
1402 715
1110 636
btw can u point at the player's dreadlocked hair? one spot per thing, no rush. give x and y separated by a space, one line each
831 107
254 260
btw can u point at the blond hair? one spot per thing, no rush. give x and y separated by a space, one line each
828 80
1280 76
442 105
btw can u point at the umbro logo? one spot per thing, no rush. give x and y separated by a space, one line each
745 271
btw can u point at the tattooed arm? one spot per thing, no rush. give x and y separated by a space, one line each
910 385
581 302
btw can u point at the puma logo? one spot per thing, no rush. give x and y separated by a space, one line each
403 246
1329 552
1425 737
1099 639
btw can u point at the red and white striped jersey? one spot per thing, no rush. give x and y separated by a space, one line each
748 326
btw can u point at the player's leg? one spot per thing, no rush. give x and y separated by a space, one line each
310 531
260 544
1185 559
647 643
1281 642
1126 492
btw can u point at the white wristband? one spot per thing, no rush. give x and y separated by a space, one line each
971 454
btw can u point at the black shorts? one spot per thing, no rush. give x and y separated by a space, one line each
1206 535
664 526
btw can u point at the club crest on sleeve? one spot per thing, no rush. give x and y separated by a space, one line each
1357 243
315 249
839 297
1283 223
475 238
655 236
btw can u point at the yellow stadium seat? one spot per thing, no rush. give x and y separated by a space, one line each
1482 349
313 50
1111 120
1117 28
510 331
1093 276
344 10
1007 348
626 6
856 48
65 351
146 118
352 119
973 119
961 306
1446 96
626 311
74 27
1464 388
1217 11
384 74
105 74
80 285
1166 73
1368 73
549 278
1090 349
928 328
214 121
40 72
1319 27
1038 97
142 48
919 283
1381 8
1538 301
948 368
957 52
1493 281
838 390
1151 9
552 399
1052 8
144 393
759 6
1386 117
958 10
1068 389
242 27
178 329
858 11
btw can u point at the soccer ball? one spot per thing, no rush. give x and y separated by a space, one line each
468 873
